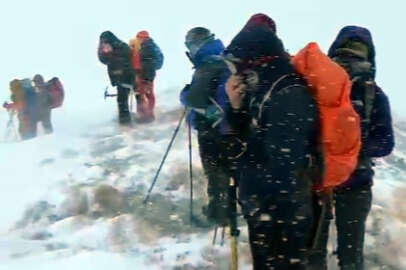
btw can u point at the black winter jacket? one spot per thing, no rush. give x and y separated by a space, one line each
280 130
118 61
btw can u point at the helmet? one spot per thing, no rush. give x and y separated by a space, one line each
196 38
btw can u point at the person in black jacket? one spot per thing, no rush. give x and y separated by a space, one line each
275 114
44 101
354 50
116 55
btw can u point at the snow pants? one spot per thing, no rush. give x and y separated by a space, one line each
279 234
219 166
122 102
352 206
145 100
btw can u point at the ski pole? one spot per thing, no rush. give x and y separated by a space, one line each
10 127
326 200
190 171
165 155
234 232
215 235
16 136
223 233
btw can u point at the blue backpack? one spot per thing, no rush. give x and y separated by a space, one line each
159 57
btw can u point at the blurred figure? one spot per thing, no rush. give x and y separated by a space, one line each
116 55
43 102
25 104
146 58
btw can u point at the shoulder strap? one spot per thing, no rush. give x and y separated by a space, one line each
267 97
369 100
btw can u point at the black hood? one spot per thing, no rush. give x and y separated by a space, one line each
109 37
354 33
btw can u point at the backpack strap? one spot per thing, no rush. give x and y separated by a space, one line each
267 97
369 102
369 98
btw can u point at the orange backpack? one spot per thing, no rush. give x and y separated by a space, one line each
340 134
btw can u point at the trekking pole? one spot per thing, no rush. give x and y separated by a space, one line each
215 235
190 171
234 231
223 233
16 136
165 155
234 253
10 126
326 201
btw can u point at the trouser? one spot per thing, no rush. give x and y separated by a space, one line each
218 167
279 234
352 207
122 102
27 127
45 119
145 99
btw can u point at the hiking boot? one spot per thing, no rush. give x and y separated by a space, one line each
145 119
124 119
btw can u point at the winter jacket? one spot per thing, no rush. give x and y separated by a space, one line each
31 109
147 58
207 86
377 130
280 129
17 95
118 61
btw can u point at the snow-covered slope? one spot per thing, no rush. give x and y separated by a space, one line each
73 199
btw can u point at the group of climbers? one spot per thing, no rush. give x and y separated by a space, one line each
297 134
132 69
32 101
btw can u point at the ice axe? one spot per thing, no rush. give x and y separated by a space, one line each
107 94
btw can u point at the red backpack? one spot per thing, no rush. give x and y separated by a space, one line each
340 134
56 92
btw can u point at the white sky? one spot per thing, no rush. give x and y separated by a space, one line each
59 38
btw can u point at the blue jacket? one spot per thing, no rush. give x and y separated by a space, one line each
208 84
377 135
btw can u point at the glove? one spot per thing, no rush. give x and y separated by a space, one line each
213 113
7 106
